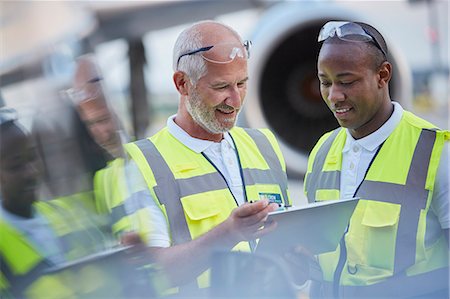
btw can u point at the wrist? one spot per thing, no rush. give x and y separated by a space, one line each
224 236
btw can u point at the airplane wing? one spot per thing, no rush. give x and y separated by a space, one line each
32 34
134 19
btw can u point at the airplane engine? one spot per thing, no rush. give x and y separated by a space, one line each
283 90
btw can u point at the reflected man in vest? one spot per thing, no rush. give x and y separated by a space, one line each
91 103
206 175
397 163
38 238
28 243
115 192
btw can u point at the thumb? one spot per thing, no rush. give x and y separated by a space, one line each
130 238
251 208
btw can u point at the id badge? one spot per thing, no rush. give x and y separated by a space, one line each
272 198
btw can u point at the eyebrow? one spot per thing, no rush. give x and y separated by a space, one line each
338 76
220 83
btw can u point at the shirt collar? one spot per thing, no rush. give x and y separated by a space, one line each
374 140
195 144
16 219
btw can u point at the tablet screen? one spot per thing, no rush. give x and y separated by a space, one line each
318 227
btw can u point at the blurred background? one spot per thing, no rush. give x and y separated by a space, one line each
132 42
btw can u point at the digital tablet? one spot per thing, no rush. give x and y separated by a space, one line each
109 255
318 227
113 273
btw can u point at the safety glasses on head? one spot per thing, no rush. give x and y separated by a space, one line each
84 93
222 53
348 31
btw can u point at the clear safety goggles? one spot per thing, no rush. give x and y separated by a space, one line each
78 95
7 115
347 31
222 53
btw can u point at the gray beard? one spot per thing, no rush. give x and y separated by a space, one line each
203 117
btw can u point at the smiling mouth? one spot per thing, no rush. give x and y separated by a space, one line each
225 111
342 110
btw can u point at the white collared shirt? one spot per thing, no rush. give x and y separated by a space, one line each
357 155
222 154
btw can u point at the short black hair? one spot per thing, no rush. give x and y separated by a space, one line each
377 54
6 129
376 35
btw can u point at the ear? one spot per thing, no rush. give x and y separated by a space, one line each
385 74
182 82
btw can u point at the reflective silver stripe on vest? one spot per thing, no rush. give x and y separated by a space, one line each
167 191
318 179
412 197
264 176
134 203
199 184
89 235
275 173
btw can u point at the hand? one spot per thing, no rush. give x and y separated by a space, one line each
130 238
247 222
137 253
301 264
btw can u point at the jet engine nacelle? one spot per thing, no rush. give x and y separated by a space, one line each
283 91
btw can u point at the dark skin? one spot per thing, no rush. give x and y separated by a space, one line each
354 88
18 171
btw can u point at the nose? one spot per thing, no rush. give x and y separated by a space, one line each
101 131
234 97
335 94
105 129
31 170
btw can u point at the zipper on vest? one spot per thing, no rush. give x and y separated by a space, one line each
343 246
221 174
240 169
251 243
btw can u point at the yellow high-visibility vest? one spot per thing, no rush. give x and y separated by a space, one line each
385 251
192 193
22 267
26 273
114 198
75 221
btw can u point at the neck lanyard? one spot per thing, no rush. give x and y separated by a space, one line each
241 172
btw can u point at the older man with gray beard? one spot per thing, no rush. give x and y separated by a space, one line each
210 180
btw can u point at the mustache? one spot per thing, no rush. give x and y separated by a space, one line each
226 108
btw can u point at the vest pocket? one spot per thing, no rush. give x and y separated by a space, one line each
200 207
204 211
373 242
381 214
328 194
